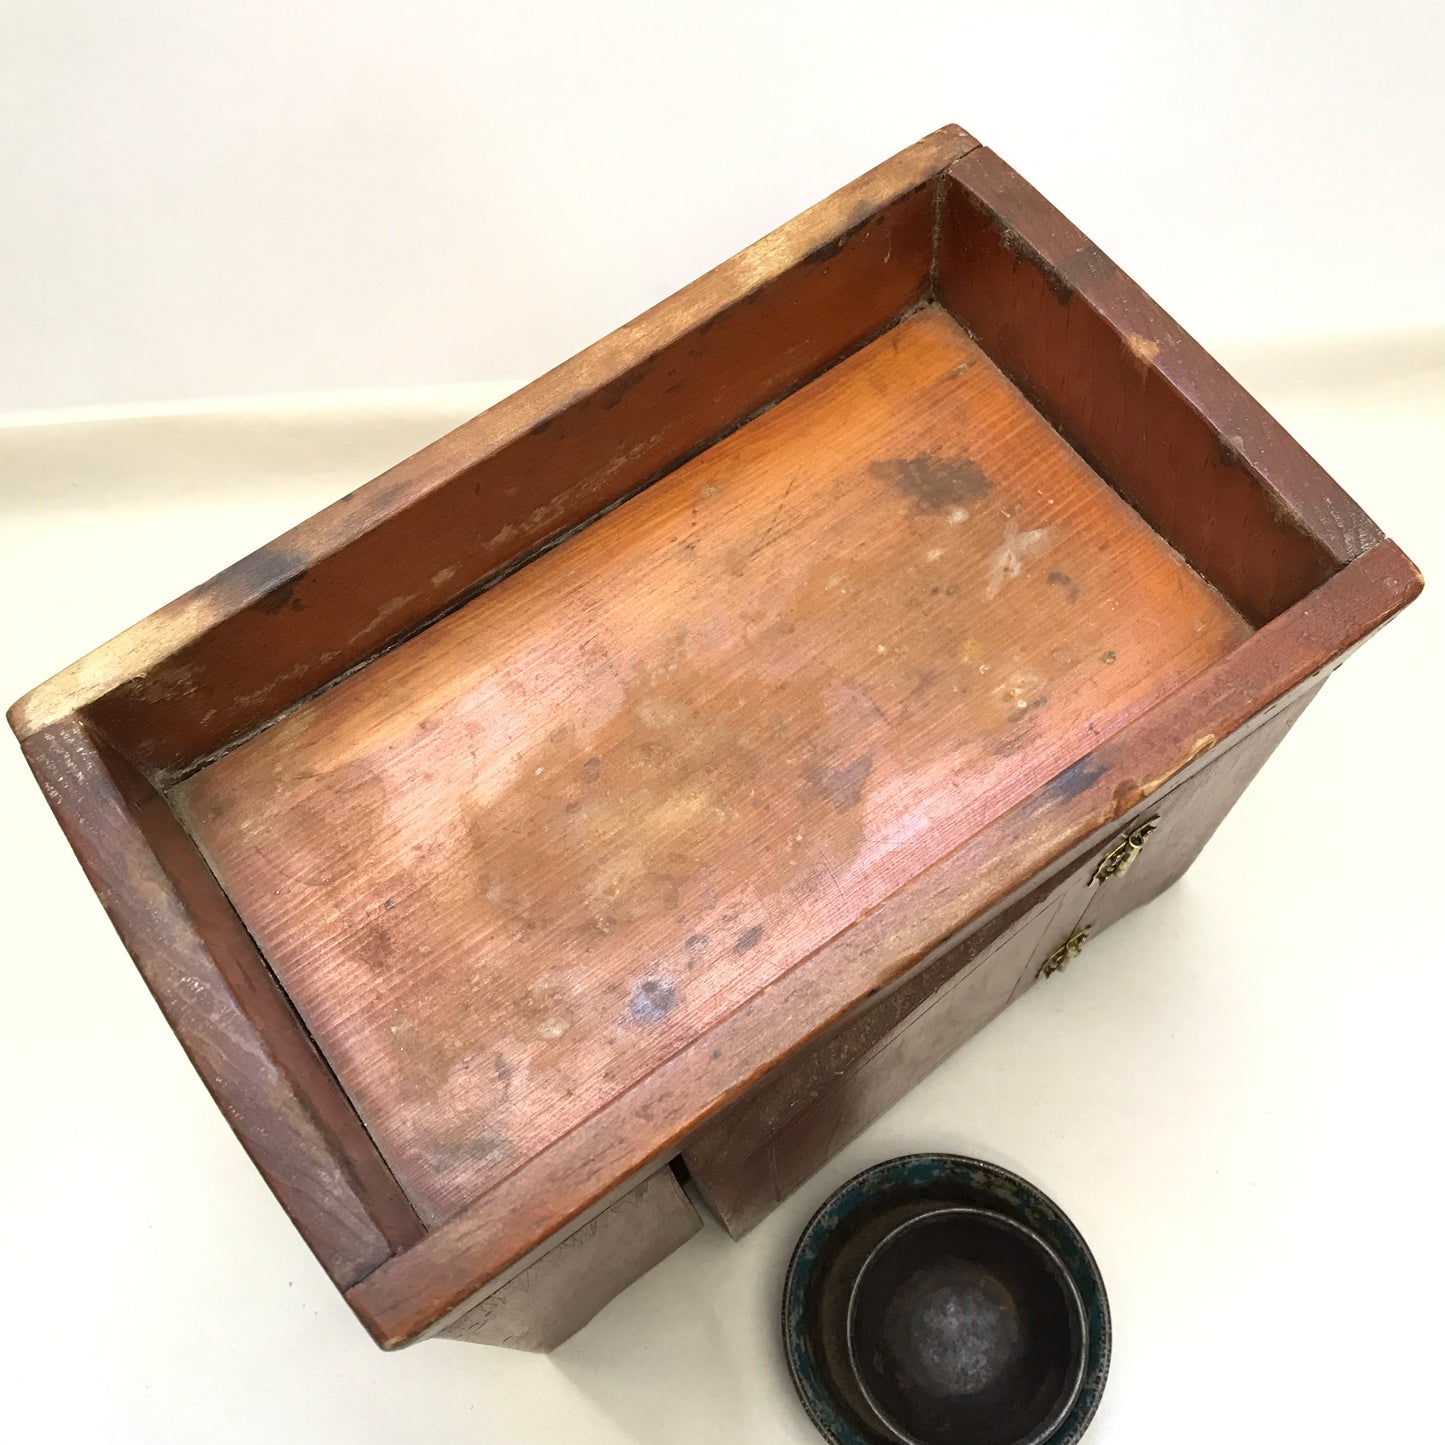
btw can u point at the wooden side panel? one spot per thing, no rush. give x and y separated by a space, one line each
1204 463
729 1142
219 997
554 1297
429 533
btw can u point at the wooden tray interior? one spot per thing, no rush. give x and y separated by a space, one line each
513 864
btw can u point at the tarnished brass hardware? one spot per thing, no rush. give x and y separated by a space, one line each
1120 858
1065 953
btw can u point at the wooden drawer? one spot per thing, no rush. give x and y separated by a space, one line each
556 1295
760 1150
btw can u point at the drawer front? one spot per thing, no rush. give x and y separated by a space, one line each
557 1294
759 1150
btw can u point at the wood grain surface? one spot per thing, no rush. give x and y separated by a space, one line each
755 1153
389 557
719 1157
512 866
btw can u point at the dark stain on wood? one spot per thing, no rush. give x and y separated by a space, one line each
615 391
860 220
1084 266
1023 251
1231 451
826 252
932 483
749 939
1064 277
652 1000
1077 778
842 787
275 601
1067 583
266 578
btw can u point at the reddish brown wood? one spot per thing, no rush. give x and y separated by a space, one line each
549 1301
787 367
1180 438
378 564
723 1147
217 994
510 868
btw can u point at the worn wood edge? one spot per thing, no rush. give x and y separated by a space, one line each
1303 494
423 1288
295 1122
139 648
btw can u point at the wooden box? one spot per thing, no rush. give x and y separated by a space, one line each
667 768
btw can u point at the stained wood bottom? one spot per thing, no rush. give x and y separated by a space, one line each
509 867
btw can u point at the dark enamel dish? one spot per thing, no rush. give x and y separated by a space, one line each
940 1300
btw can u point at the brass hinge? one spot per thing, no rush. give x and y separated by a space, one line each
1120 858
1065 953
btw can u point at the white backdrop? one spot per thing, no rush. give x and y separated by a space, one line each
248 196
